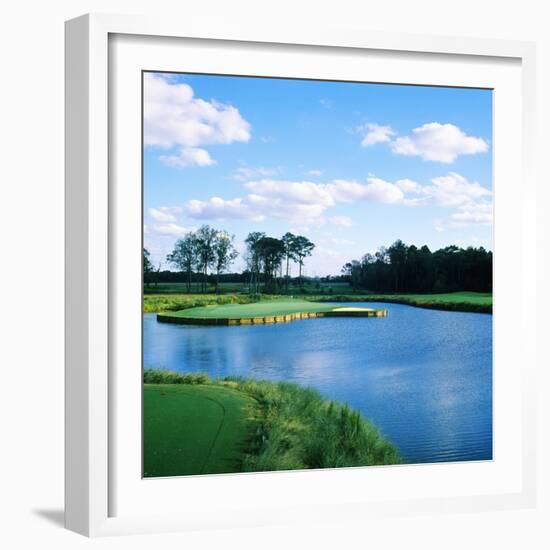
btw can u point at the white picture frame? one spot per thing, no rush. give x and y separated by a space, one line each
93 391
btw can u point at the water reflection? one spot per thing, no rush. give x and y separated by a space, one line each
424 376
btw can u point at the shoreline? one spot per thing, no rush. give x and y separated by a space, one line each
464 307
278 415
482 303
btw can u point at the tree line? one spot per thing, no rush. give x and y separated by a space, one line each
205 256
402 268
209 251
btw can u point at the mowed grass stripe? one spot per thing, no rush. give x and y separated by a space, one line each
191 430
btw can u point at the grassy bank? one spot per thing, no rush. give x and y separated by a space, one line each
451 301
288 427
477 302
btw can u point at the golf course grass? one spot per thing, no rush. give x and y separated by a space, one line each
274 311
194 429
196 425
478 302
452 301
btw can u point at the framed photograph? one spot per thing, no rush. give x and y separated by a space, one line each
296 275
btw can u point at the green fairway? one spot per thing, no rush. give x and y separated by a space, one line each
479 298
258 309
480 302
194 429
194 424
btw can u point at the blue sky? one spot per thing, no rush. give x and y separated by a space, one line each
352 166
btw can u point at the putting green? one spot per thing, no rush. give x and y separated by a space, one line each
194 429
273 311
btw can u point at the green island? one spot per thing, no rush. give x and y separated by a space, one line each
196 425
272 311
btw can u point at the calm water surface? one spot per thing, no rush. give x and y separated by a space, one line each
423 376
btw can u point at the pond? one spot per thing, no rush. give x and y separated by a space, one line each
424 377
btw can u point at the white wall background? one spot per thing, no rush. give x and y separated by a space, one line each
31 237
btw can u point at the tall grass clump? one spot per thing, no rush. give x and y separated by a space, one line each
153 303
294 427
155 376
298 429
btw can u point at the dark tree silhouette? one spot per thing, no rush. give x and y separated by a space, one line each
185 257
147 267
253 260
289 242
271 252
402 268
303 248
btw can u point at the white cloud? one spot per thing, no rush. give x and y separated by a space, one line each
314 173
282 208
218 208
304 192
376 190
473 202
164 213
467 215
327 194
409 186
302 201
451 190
245 173
307 202
253 207
438 142
327 103
474 213
375 133
454 190
173 117
188 156
169 230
